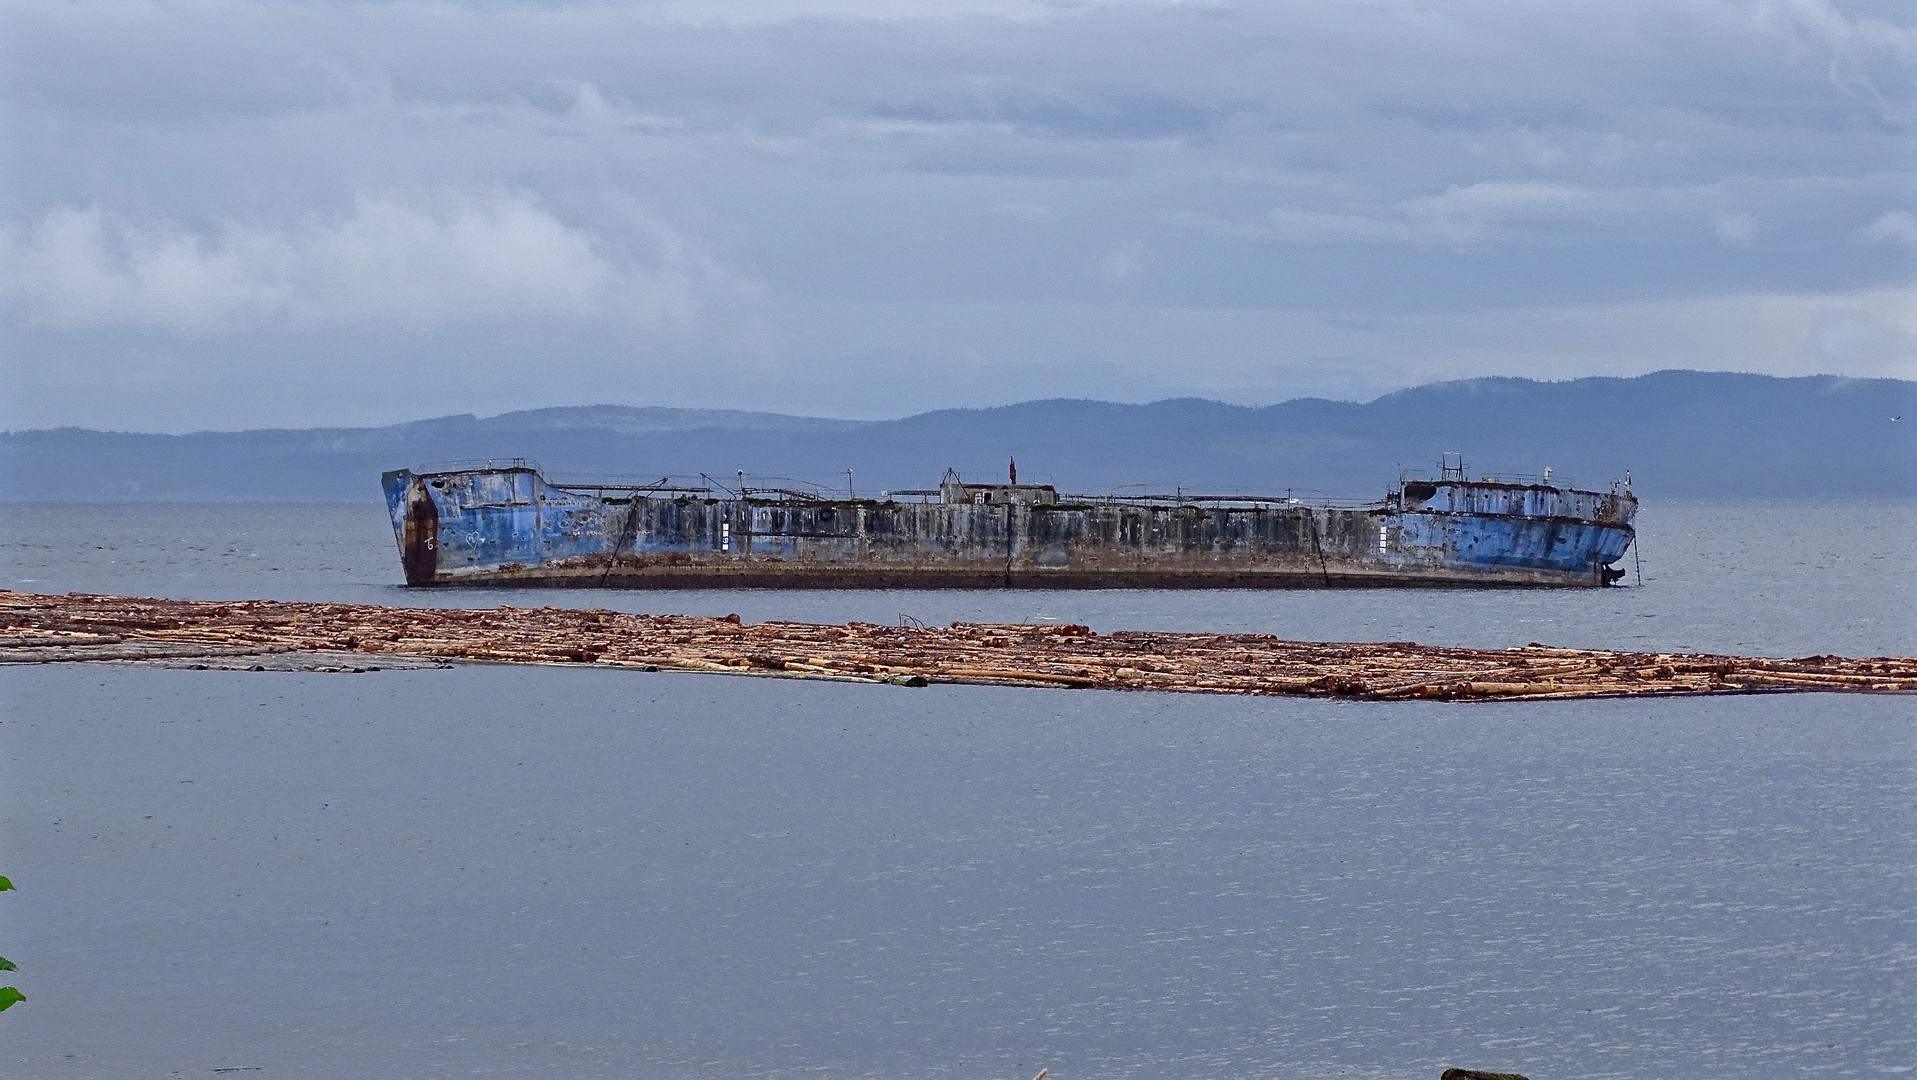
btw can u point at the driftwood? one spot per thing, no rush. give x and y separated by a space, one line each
38 628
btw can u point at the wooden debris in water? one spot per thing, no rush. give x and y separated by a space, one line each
40 628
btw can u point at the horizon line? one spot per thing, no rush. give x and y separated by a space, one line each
974 408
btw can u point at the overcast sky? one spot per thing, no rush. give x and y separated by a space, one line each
221 214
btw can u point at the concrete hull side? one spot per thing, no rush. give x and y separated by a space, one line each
509 528
852 577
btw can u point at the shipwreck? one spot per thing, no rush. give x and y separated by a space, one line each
506 524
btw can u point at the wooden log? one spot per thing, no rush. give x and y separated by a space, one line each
1022 676
1022 655
1816 677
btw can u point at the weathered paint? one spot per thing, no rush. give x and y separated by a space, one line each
510 527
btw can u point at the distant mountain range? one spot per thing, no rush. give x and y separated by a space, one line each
1681 433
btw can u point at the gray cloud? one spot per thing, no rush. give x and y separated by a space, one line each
694 203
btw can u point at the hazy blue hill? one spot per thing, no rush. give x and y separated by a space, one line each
632 420
1680 432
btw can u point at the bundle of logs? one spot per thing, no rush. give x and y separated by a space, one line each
37 628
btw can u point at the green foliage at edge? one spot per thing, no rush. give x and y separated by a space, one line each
8 995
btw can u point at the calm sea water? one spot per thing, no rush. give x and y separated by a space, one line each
1752 577
565 873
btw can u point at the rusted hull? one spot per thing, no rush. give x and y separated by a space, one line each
590 575
510 528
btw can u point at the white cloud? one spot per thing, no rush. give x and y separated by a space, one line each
1845 338
1318 227
772 12
1858 50
1895 227
1529 211
1125 262
1737 230
409 264
1491 209
1477 213
1115 350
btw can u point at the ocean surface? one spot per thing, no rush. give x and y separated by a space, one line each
517 872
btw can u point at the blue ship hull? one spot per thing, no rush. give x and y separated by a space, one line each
511 527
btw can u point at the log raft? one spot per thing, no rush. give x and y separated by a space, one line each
37 628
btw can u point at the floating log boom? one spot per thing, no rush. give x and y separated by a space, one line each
38 628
